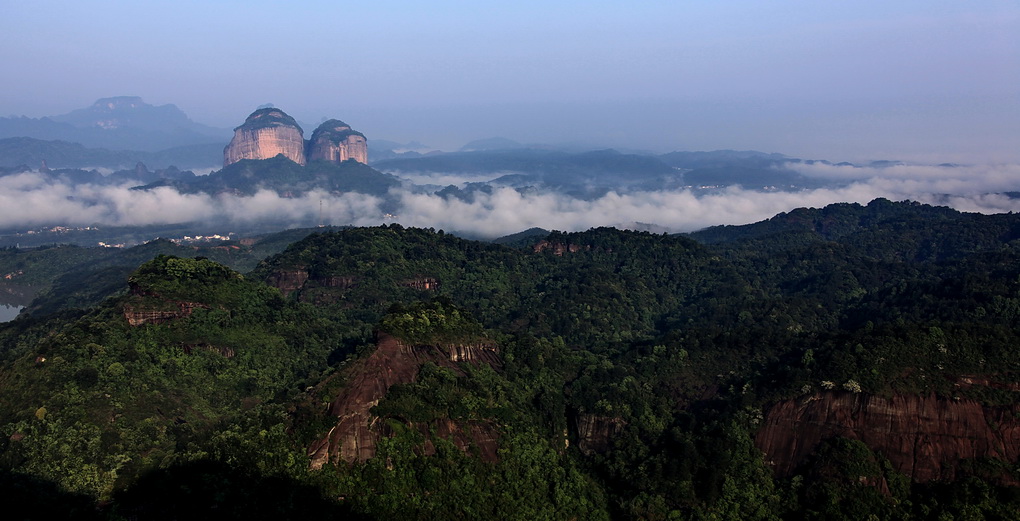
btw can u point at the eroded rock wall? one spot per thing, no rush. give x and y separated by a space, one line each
336 141
357 432
595 433
264 135
923 437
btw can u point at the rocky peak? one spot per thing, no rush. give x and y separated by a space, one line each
335 141
266 133
119 102
126 112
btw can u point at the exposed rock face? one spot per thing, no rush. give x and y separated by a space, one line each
149 308
922 436
140 315
288 281
423 283
265 134
480 353
319 291
558 248
336 142
357 432
594 433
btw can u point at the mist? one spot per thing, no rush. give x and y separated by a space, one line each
30 200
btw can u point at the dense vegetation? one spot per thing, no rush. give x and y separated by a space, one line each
672 347
50 278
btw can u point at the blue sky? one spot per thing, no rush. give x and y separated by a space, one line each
917 80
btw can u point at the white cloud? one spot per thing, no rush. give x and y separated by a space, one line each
31 199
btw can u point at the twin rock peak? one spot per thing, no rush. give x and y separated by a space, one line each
269 132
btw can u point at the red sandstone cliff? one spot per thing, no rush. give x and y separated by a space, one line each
558 248
265 134
328 289
336 142
144 307
357 431
922 436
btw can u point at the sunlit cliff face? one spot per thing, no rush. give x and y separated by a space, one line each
265 134
336 141
271 132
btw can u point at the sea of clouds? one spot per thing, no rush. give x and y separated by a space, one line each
32 199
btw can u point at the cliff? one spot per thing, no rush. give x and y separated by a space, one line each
357 432
146 307
924 437
558 248
265 134
595 433
336 142
138 314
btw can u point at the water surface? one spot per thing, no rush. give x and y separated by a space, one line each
8 312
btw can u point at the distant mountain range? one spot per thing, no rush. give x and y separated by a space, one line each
118 123
16 151
118 133
592 174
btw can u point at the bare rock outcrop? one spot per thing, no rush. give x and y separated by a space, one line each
322 290
422 283
336 142
288 281
923 437
357 432
558 248
140 314
595 433
145 307
266 133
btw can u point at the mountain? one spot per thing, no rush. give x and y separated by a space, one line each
381 149
493 143
269 132
266 133
336 142
848 362
592 174
118 123
584 175
283 175
750 169
33 152
132 112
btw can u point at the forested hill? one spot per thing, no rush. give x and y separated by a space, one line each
838 363
910 228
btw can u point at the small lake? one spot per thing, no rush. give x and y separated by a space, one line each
8 312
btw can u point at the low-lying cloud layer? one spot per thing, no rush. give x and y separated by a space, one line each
31 199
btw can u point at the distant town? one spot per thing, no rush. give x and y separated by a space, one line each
74 235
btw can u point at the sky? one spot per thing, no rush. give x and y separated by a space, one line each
925 81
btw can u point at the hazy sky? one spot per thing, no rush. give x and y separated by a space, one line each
916 80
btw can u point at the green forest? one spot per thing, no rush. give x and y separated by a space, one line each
849 362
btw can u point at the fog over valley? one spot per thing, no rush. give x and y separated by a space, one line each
31 199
